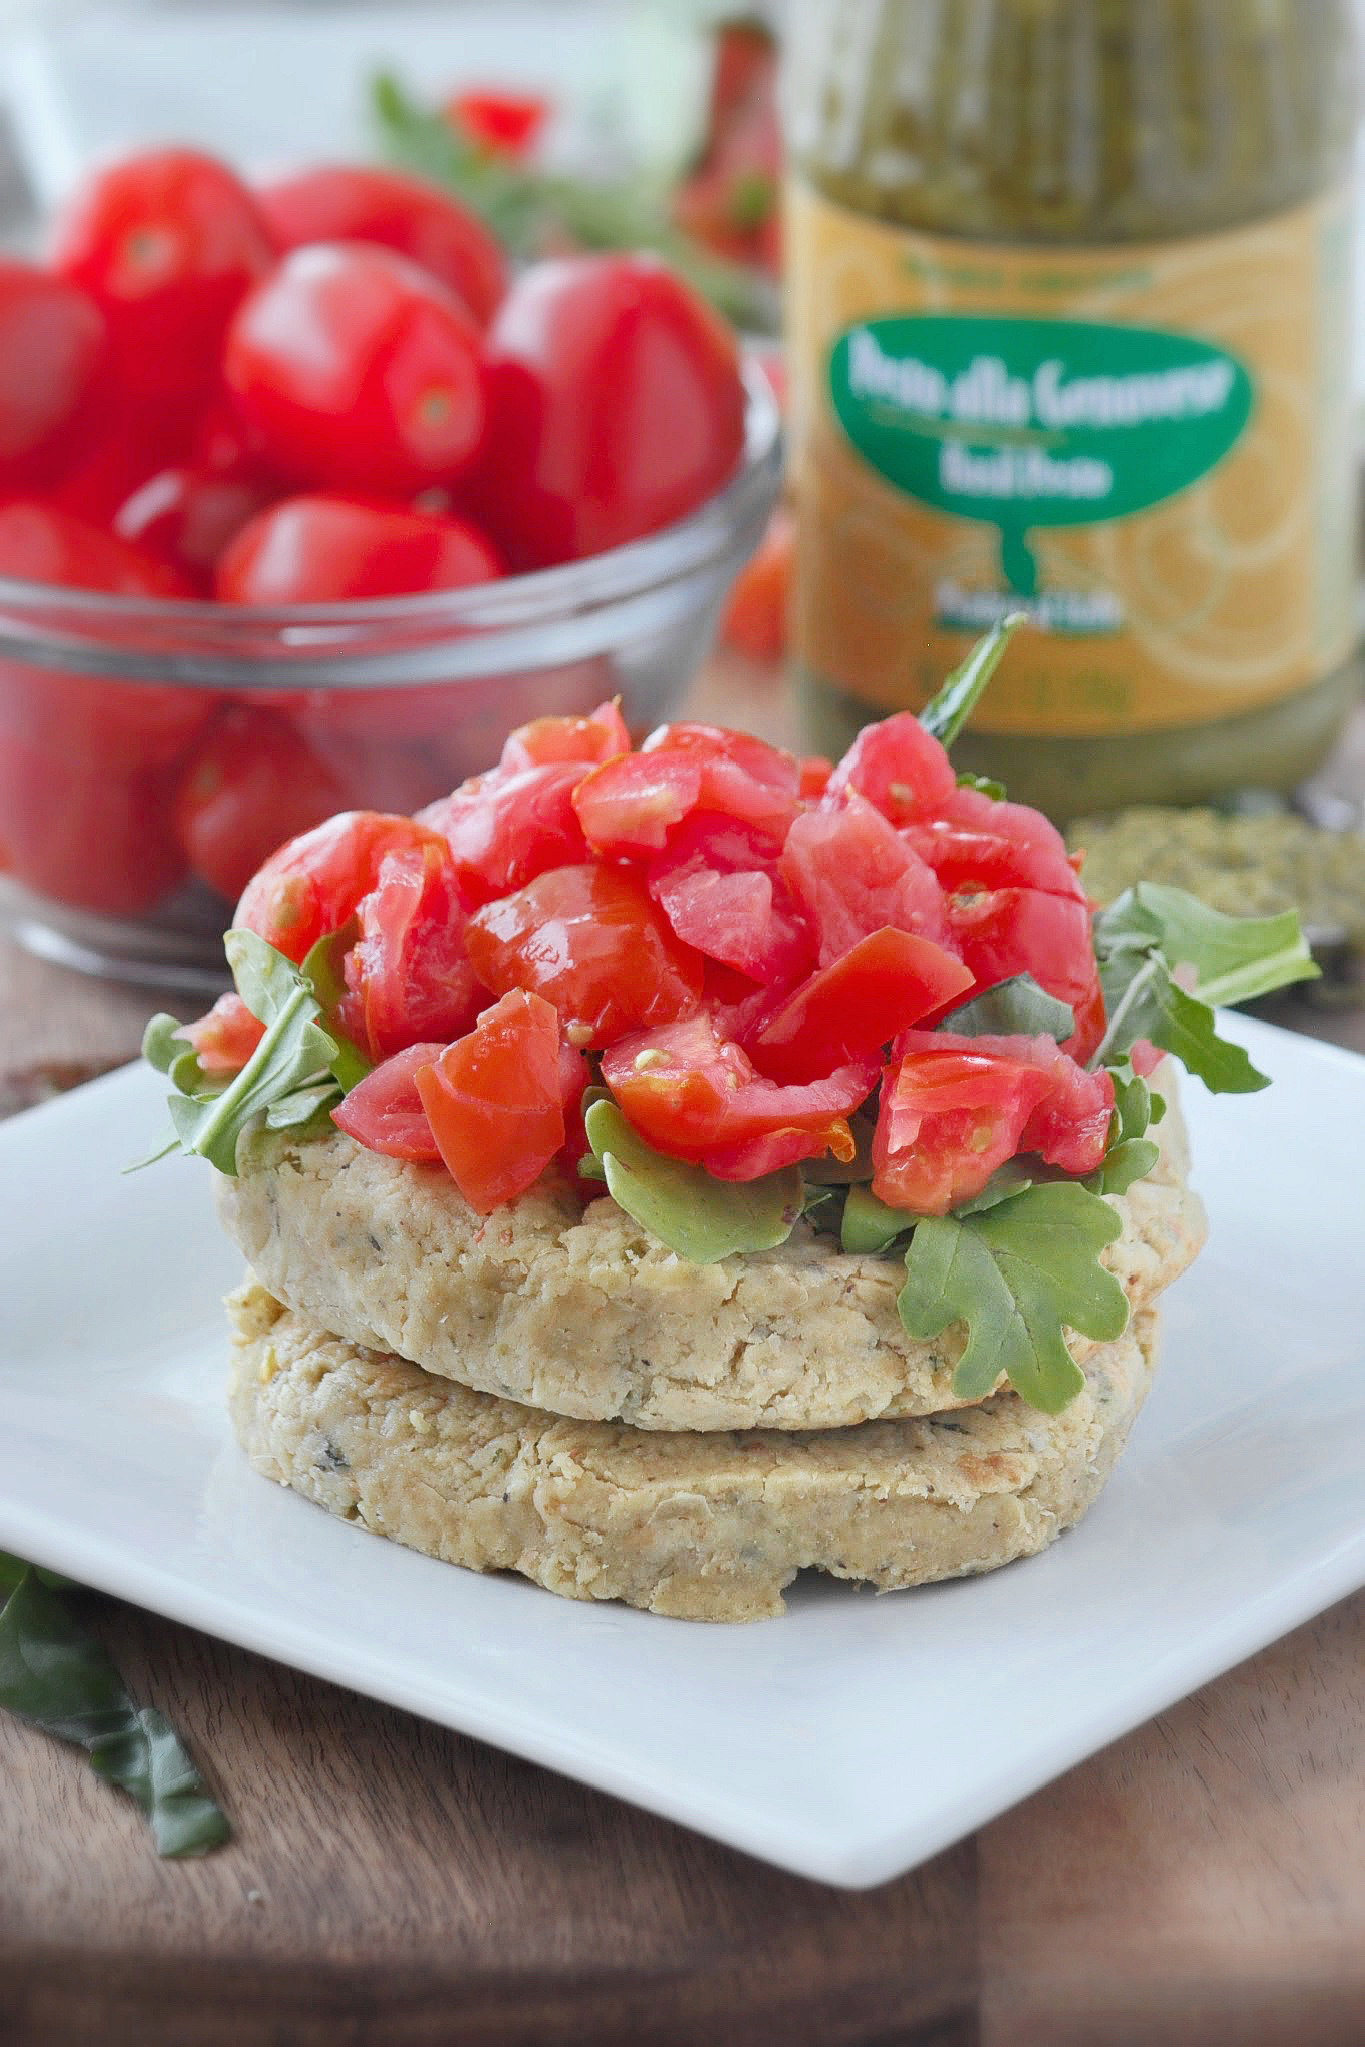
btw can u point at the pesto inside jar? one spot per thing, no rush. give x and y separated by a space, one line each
1083 206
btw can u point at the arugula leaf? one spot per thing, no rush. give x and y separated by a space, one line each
1122 1165
57 1677
12 1570
1016 1276
869 1225
699 1217
985 785
1015 1006
161 1046
1235 959
1141 1000
1016 1176
946 714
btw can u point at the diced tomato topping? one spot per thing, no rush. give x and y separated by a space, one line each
503 830
384 1111
858 1004
977 844
815 774
1006 931
407 972
718 884
1145 1057
953 1109
853 874
225 1038
632 805
315 882
696 1095
574 1076
494 1101
590 941
899 767
593 739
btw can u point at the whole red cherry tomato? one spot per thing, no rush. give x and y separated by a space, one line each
362 203
187 517
53 354
329 549
87 830
615 407
589 940
40 543
495 1101
166 241
358 371
249 785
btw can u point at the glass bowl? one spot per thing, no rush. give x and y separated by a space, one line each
380 705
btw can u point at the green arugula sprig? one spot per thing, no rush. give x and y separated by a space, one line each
701 1218
295 1076
55 1675
947 712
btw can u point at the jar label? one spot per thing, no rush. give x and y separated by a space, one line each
1147 447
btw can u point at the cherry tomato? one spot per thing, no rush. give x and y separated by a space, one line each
504 124
755 617
384 1111
615 407
53 352
698 1096
186 517
718 885
87 832
166 242
899 767
358 371
407 971
494 1101
361 203
951 1112
315 883
589 940
1007 931
122 449
226 1036
632 804
249 785
39 543
977 843
853 874
595 739
331 549
879 988
504 830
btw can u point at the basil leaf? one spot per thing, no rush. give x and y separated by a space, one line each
947 713
985 785
57 1677
1235 959
1018 1275
701 1218
870 1226
1017 1006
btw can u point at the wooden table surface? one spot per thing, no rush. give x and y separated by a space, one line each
390 1884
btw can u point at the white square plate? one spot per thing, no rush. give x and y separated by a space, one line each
1237 1512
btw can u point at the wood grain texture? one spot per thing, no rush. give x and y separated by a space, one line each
390 1884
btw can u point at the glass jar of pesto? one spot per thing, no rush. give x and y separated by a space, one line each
1069 291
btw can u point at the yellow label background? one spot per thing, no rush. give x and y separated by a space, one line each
1237 591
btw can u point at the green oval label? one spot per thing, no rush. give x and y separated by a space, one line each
1021 423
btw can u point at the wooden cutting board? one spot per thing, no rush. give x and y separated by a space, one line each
390 1884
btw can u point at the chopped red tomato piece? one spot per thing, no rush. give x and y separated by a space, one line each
384 1111
755 615
494 1101
574 1076
898 766
976 843
504 830
593 739
632 805
858 1004
718 885
315 882
853 874
695 1095
225 1038
1007 931
407 974
814 778
1145 1057
589 940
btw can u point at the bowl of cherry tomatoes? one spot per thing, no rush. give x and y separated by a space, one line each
306 501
